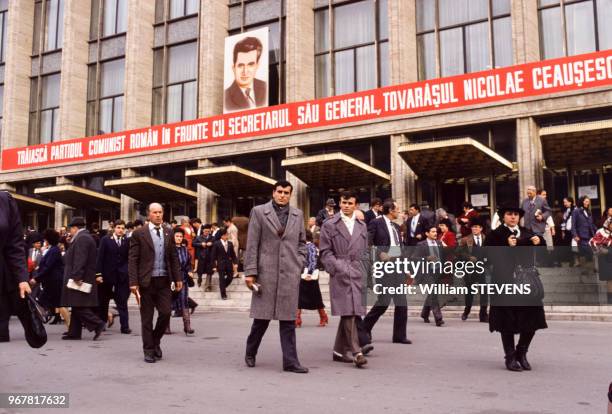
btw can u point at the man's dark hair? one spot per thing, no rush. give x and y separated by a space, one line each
246 45
52 237
431 227
415 206
196 220
129 225
119 223
447 223
376 202
207 226
138 222
388 206
179 230
173 222
222 231
467 204
282 184
348 194
226 219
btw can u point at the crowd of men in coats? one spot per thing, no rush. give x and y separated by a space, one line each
147 263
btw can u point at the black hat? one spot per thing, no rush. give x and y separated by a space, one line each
330 202
77 221
476 221
509 207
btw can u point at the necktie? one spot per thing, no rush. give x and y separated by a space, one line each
247 93
119 242
478 241
157 231
434 251
225 246
395 236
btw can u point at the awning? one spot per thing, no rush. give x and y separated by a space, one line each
579 144
232 181
334 170
149 189
453 158
75 196
27 203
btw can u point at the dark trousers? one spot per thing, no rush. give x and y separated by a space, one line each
469 298
400 317
12 304
83 315
155 296
431 305
120 293
225 279
287 338
347 337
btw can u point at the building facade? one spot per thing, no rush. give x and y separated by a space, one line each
76 68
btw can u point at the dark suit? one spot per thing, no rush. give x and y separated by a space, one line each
236 100
369 216
431 303
421 228
80 265
155 292
378 235
13 268
583 227
204 256
113 266
469 249
224 262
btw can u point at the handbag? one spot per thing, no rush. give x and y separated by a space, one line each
190 281
529 275
35 332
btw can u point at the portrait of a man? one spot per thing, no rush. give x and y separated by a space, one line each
246 91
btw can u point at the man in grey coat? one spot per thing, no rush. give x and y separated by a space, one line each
80 266
537 212
344 248
274 259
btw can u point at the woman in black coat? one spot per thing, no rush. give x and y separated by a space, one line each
507 316
50 274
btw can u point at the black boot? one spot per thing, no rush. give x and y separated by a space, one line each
466 313
483 314
521 349
510 353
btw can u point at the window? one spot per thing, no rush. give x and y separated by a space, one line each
180 8
108 18
351 47
105 97
462 36
247 15
44 109
49 15
572 27
3 26
175 98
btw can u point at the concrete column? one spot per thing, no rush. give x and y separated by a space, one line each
214 15
403 179
207 199
139 55
62 211
402 41
300 197
299 51
75 55
525 35
17 74
528 155
128 210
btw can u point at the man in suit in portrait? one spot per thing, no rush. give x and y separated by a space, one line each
152 266
224 261
112 267
246 92
384 234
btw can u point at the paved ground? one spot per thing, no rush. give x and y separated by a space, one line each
454 369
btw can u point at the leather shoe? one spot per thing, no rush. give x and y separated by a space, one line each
366 349
250 361
99 331
71 338
126 331
149 358
425 319
403 341
484 317
158 352
360 360
512 364
439 322
296 369
464 316
342 358
521 358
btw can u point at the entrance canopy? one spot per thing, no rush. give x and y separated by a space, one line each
579 144
149 189
334 170
232 181
453 158
27 203
76 196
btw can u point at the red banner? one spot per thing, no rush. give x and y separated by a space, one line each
531 79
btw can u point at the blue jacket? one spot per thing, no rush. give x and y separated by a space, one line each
51 274
582 225
112 259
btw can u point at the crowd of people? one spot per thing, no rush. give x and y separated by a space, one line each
82 269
